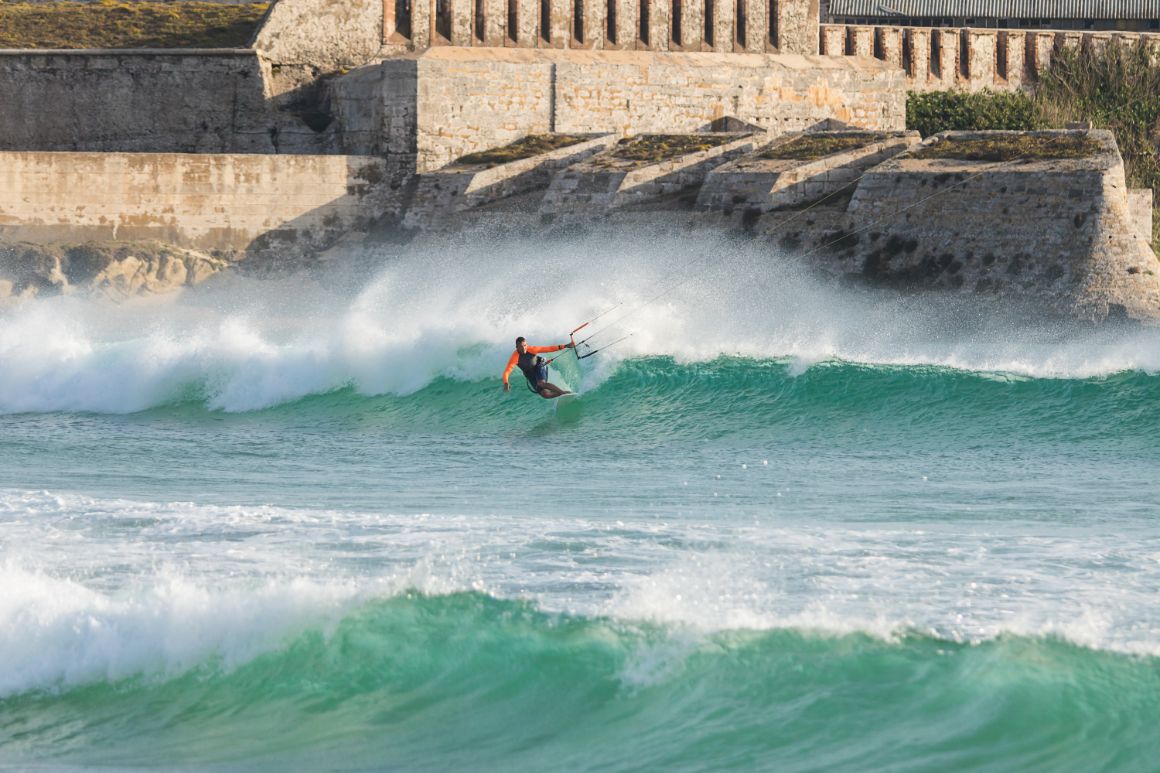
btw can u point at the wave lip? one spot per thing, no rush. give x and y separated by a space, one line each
57 634
467 679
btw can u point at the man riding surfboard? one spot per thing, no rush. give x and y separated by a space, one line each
534 368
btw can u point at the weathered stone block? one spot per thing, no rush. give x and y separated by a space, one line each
1055 229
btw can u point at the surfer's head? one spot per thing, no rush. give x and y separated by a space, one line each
521 344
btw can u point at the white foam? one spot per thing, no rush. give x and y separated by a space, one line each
889 583
452 311
102 589
57 632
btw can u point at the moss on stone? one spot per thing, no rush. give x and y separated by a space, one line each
812 146
525 147
112 24
654 148
1010 147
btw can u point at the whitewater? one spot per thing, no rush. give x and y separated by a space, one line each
790 524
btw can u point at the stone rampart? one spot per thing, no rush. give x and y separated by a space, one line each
448 102
971 59
1051 229
195 101
203 201
1056 229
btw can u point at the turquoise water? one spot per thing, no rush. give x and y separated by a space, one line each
787 525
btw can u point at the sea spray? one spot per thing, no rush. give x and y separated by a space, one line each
451 312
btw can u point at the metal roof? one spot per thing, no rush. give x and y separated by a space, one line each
1001 9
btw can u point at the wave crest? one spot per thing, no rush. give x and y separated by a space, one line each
451 311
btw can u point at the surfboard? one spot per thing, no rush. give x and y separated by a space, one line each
567 406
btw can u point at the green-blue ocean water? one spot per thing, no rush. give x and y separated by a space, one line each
787 525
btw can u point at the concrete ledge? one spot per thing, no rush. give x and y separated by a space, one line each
766 184
927 176
458 187
605 182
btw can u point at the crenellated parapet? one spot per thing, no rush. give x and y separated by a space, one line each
337 34
972 59
657 25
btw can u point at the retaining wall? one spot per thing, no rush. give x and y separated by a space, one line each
448 102
196 101
937 58
203 201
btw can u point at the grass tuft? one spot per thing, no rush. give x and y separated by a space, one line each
1011 147
525 147
113 24
654 148
808 147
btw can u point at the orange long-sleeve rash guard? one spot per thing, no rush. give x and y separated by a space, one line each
531 350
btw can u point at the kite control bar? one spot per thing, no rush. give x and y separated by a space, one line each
577 344
602 348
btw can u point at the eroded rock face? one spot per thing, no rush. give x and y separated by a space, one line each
117 270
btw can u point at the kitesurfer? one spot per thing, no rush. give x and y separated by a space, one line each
534 368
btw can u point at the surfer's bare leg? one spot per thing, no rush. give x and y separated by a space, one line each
551 391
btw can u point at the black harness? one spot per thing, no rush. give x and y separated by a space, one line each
533 368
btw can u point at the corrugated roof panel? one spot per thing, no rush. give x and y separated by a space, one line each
1001 9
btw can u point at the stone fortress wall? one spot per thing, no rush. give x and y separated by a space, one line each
939 59
1057 232
357 106
326 77
447 102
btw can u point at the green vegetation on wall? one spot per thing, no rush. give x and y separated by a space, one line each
1116 87
1008 147
809 146
111 24
525 147
940 111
